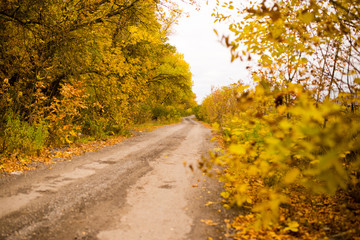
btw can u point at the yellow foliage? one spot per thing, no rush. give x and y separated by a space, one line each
101 68
272 150
295 135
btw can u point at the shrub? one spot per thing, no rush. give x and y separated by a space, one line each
22 138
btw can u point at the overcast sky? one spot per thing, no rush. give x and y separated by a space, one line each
208 58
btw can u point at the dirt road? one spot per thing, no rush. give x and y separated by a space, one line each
138 189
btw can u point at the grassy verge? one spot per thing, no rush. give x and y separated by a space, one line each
17 164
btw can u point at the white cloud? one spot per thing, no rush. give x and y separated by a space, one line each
208 58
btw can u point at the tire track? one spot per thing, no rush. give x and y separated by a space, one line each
82 196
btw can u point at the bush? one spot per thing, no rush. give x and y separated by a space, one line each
143 115
166 113
95 127
159 112
23 138
298 144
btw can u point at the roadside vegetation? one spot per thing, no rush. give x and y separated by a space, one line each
80 71
292 141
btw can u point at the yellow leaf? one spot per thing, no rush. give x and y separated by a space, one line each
291 176
209 222
307 17
281 109
293 226
225 194
253 170
237 149
209 203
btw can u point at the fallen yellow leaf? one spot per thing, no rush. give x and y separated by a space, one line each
209 222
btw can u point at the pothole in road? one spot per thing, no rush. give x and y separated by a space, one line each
46 191
78 173
95 165
166 186
108 162
52 177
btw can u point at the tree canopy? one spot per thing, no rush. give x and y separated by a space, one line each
86 67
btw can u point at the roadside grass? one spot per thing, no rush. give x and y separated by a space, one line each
16 164
153 125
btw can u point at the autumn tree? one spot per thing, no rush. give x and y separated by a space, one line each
83 67
308 42
297 131
171 84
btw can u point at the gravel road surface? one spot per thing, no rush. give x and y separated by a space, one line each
138 189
